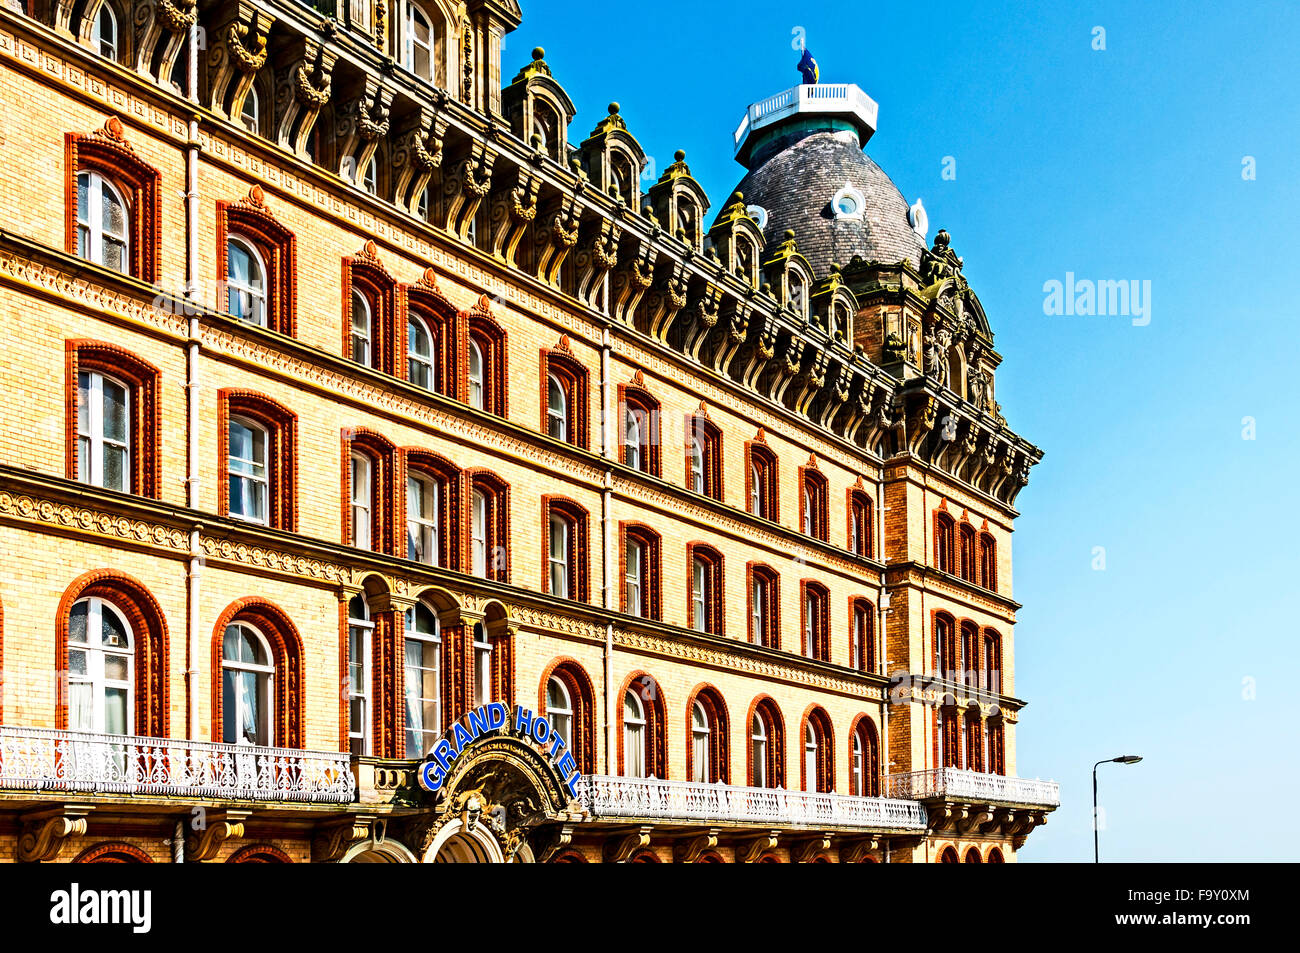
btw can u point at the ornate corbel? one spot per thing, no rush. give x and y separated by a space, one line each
634 278
238 52
360 122
166 23
466 184
750 849
332 840
667 297
417 155
807 849
729 334
597 255
620 848
759 349
975 816
220 826
552 841
514 208
783 368
699 318
557 235
687 850
811 377
302 88
43 833
856 850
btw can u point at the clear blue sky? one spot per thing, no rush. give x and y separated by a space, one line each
1117 164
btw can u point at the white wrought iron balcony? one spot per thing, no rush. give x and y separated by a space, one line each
41 759
958 783
605 796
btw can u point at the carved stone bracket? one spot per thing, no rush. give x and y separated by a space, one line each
855 850
620 848
805 850
202 845
238 52
687 850
330 841
43 833
750 849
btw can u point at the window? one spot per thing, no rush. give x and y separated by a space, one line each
248 477
101 669
764 607
966 567
422 539
257 256
816 621
362 329
988 568
862 641
640 430
423 679
860 528
103 432
809 757
968 673
564 397
760 741
706 589
103 227
943 542
559 561
245 282
489 527
559 710
974 742
818 753
567 549
103 34
634 736
360 630
115 220
420 367
997 758
361 502
945 645
250 112
700 735
482 665
640 570
418 41
703 457
112 407
767 745
557 408
813 503
949 738
865 749
762 482
798 300
487 363
247 678
992 662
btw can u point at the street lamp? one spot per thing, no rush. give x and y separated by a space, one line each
1122 759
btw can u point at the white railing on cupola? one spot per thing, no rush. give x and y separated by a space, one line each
822 98
605 796
42 759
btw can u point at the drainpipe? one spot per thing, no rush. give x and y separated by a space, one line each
178 843
193 651
608 543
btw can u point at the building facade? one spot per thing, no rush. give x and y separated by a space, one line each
390 473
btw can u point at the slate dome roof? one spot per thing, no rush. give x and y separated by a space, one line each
796 186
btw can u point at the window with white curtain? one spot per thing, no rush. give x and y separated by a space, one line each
362 495
245 282
635 598
697 465
421 519
557 408
250 112
419 353
699 594
476 389
103 431
701 733
758 599
633 424
360 630
634 736
810 757
423 679
247 684
478 533
101 669
857 777
482 665
248 471
558 558
103 225
559 709
759 741
362 328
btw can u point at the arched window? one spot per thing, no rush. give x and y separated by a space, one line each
764 607
103 222
703 457
483 683
761 479
420 367
860 528
557 408
362 329
248 470
988 574
250 112
566 557
487 364
370 462
640 433
949 856
706 589
818 752
995 857
247 680
423 508
361 500
945 646
418 41
865 759
489 527
559 710
640 553
949 738
798 293
101 669
943 542
245 282
766 746
635 736
996 762
479 532
707 752
104 33
423 679
701 733
477 390
973 856
968 672
862 637
813 504
816 621
360 632
564 395
992 681
103 431
966 552
370 338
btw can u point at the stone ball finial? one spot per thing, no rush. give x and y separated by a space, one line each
942 239
789 234
539 53
614 108
680 155
737 197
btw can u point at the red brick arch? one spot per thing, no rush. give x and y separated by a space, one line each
719 738
259 854
114 853
583 698
775 741
149 631
286 648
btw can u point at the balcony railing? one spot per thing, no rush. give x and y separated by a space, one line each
604 796
973 785
826 98
41 759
